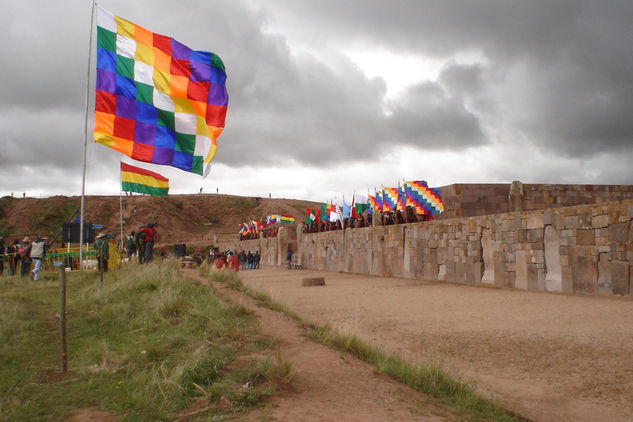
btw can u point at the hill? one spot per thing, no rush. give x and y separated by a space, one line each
194 218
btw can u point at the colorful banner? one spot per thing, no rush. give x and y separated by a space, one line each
157 100
427 201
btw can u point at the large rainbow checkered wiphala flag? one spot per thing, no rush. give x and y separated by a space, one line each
426 200
157 100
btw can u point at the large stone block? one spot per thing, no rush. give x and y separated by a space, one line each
499 268
535 236
487 253
585 237
584 272
431 266
526 273
449 271
620 277
474 271
461 272
619 232
604 276
571 222
535 221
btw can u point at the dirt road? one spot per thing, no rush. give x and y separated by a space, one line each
549 357
330 385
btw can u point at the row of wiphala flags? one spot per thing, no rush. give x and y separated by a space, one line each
416 194
156 101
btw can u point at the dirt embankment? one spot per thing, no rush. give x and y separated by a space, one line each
191 219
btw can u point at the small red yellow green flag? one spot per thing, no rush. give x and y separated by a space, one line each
136 179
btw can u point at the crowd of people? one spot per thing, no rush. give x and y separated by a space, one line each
18 257
229 259
141 243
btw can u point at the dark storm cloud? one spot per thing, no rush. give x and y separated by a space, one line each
429 117
307 112
572 57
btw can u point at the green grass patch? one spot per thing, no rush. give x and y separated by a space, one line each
145 346
428 378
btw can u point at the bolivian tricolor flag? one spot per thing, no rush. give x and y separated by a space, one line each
136 179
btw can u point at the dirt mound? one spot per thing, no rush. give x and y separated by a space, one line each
191 219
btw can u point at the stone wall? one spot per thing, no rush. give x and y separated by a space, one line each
469 200
272 249
583 249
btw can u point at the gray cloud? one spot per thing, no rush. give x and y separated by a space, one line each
429 117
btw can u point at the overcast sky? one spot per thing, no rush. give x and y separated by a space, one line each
331 97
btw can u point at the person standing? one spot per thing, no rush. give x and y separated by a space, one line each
12 257
242 256
37 255
2 257
130 245
139 239
102 250
233 262
249 260
256 258
289 256
151 236
24 255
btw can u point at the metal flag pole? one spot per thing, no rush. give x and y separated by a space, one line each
83 181
121 212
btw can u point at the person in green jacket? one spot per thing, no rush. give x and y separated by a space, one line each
101 248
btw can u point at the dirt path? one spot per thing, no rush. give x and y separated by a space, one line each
549 357
331 386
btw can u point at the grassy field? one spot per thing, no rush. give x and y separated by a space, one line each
148 345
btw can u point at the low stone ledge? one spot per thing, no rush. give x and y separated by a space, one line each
312 281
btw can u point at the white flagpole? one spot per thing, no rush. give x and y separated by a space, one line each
83 181
121 211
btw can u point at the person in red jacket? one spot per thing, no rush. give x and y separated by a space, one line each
234 262
151 236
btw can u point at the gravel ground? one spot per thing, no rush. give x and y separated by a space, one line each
549 357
